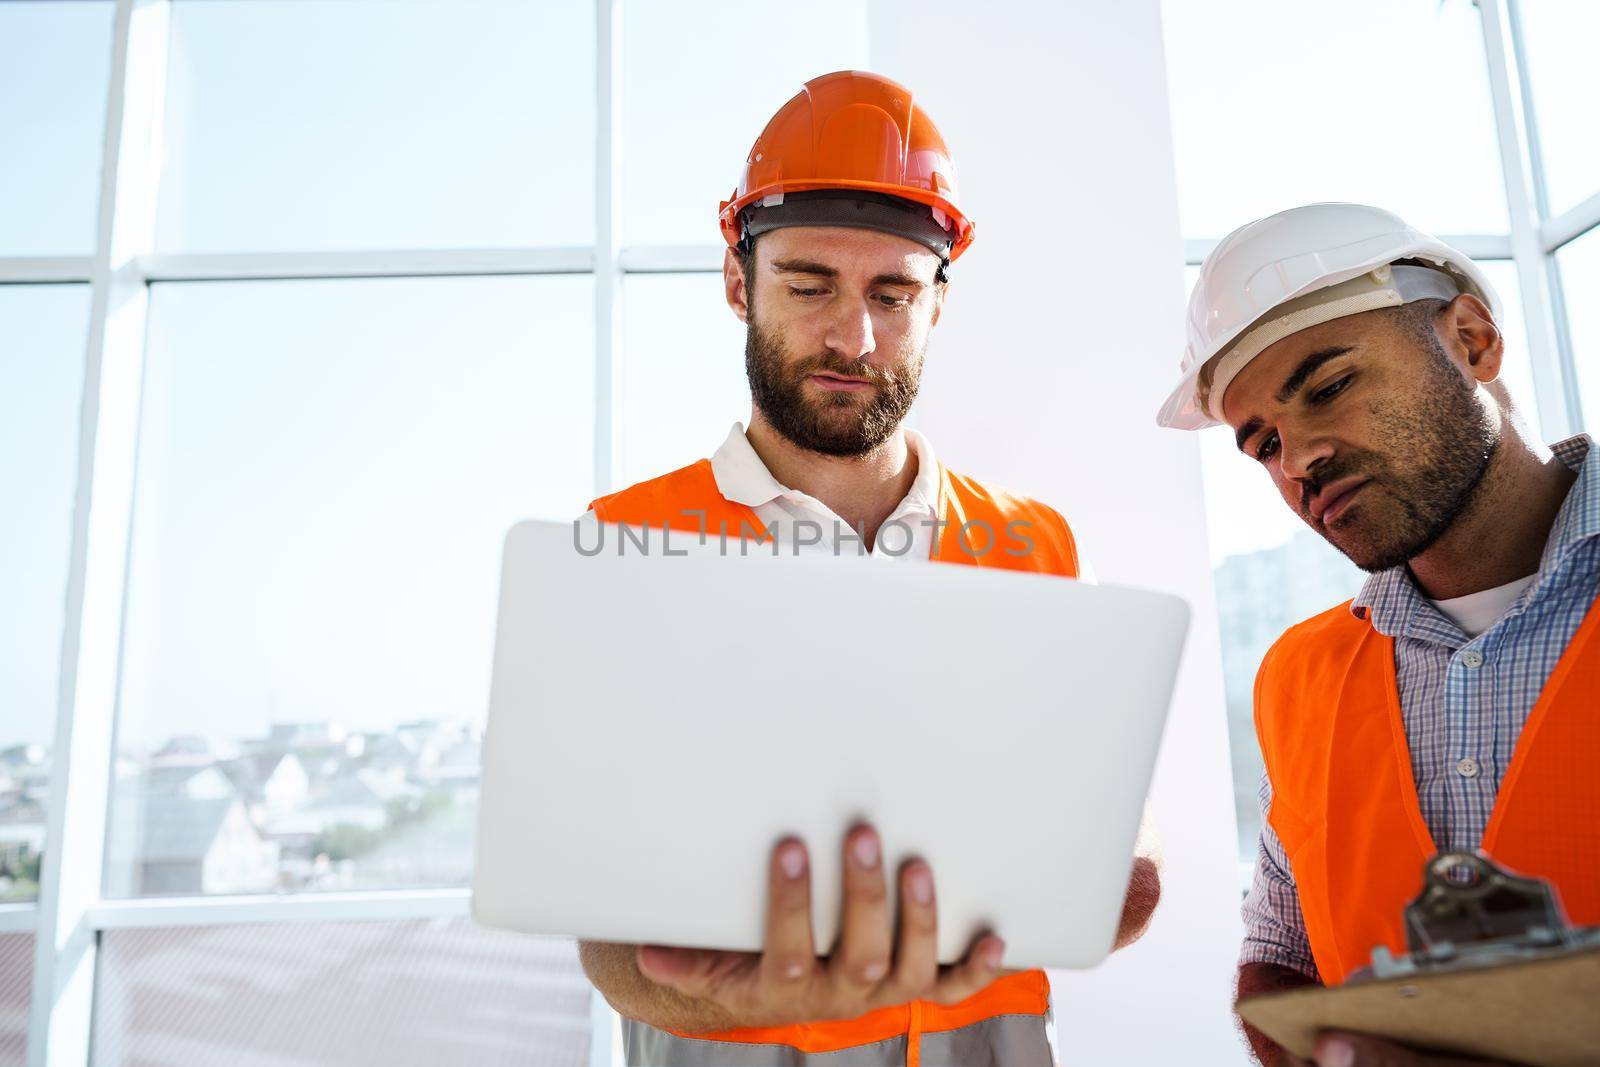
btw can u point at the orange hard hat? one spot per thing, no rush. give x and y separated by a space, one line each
850 149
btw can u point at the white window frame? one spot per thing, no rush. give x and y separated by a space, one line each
71 911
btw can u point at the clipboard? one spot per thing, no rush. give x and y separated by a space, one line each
1493 971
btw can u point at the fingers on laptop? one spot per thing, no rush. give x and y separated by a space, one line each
789 954
871 964
962 980
916 967
866 940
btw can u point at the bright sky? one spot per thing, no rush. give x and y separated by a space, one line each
1284 102
43 331
327 467
1559 39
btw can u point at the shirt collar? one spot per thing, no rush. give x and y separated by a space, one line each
1579 517
744 479
1394 604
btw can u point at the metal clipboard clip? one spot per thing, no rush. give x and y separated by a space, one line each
1472 913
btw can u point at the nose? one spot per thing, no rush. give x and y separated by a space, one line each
850 332
1299 455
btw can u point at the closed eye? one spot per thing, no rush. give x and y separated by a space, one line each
1323 395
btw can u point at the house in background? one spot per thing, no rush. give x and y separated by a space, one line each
355 801
193 781
271 783
181 826
188 845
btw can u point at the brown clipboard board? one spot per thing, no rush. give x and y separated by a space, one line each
1543 1011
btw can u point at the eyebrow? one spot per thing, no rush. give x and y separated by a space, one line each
1307 367
1291 385
806 266
802 266
1247 431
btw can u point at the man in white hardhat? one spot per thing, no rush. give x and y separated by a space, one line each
1450 705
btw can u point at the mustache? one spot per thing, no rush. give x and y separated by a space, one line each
844 368
1331 470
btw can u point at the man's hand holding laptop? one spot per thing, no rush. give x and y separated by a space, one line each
872 965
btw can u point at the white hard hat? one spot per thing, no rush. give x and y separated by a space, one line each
1344 253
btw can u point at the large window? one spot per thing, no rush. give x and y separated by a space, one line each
313 569
360 284
53 69
1580 280
1558 44
435 992
1286 126
41 337
337 124
1276 104
363 284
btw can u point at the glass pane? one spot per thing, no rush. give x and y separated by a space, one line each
1579 263
16 995
43 335
55 62
1277 104
729 67
683 382
314 566
406 994
1558 43
367 124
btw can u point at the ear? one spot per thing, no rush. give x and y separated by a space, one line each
938 301
733 286
1469 330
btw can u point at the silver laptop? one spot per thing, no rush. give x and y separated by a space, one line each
658 722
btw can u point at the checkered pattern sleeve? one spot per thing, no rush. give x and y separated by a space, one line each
1274 928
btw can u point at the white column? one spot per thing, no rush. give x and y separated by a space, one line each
63 979
607 244
607 340
1554 382
1060 339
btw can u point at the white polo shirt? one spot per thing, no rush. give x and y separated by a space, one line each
800 519
802 524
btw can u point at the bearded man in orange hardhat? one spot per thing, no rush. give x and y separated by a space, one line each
840 233
1450 706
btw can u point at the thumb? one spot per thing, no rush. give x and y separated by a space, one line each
683 969
1359 1050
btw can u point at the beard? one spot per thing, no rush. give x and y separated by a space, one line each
1449 440
847 423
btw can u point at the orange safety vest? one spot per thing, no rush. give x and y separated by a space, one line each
1344 800
1003 1023
980 526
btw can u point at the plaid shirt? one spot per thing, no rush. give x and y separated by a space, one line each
1461 721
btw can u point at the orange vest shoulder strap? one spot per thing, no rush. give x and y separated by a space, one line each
1311 657
990 527
1299 695
686 499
